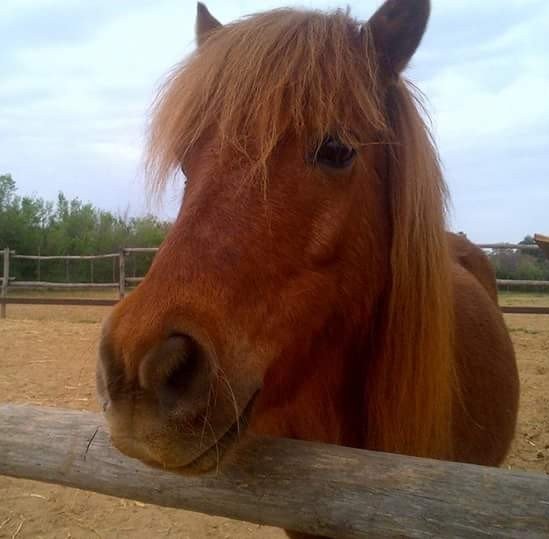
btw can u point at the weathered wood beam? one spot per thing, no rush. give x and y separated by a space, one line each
325 490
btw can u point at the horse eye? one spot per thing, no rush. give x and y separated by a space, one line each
334 154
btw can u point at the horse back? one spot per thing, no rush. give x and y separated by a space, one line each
473 259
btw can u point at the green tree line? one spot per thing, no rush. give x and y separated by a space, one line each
31 225
524 266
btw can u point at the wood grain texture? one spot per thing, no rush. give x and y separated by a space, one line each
324 490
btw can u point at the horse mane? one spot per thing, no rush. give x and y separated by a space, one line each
294 72
412 382
265 76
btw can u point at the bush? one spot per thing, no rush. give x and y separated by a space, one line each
513 265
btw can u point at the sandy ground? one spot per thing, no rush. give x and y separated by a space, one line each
48 358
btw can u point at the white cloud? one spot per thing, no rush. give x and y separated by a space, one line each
78 79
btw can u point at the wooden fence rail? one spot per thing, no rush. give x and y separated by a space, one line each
518 309
82 302
508 246
134 280
518 283
65 257
325 490
10 282
32 285
141 249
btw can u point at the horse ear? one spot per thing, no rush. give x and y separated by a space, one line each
397 28
205 23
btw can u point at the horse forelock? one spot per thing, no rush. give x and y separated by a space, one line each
254 81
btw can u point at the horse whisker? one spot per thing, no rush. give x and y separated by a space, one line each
223 377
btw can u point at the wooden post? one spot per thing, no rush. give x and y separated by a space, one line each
5 281
323 490
91 270
122 274
39 261
543 244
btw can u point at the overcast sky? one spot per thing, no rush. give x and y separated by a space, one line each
77 78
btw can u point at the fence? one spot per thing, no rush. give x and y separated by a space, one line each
319 489
121 285
506 284
124 282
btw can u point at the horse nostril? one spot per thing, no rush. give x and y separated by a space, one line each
178 370
173 369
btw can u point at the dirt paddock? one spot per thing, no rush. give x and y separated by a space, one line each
48 358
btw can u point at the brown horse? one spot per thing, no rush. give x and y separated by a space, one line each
308 288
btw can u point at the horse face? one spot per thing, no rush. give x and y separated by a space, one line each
250 301
239 294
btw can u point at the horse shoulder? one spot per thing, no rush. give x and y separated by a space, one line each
487 403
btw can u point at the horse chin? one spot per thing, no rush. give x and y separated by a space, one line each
213 457
176 458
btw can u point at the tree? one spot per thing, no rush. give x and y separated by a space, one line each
7 191
516 265
529 240
31 225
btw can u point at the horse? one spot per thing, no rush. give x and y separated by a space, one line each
308 288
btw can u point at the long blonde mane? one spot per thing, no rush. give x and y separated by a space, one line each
306 73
